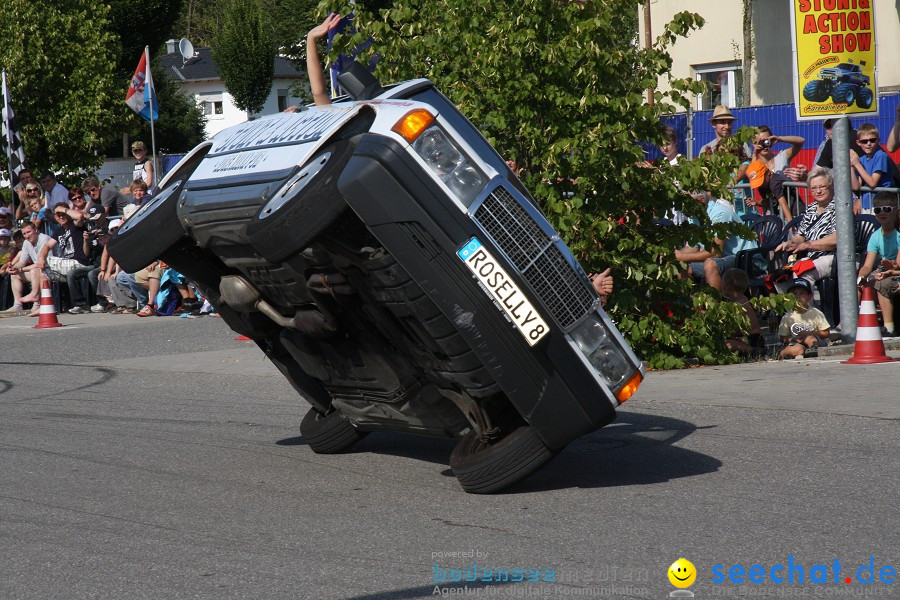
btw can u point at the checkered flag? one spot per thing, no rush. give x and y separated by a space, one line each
12 141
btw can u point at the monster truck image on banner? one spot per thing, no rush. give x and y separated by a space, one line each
834 58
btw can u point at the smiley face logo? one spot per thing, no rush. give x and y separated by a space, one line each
682 573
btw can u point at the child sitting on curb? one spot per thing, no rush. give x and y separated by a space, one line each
734 288
804 329
882 250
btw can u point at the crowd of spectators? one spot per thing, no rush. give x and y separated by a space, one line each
808 251
60 235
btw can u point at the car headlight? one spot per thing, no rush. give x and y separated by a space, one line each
450 164
602 352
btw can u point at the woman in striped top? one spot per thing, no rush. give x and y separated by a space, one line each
816 235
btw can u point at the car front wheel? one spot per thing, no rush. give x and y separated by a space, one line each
484 468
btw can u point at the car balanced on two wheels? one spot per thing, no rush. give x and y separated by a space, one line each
386 260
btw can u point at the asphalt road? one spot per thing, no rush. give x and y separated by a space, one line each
157 458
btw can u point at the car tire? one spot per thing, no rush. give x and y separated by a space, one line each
864 98
155 227
485 469
844 93
329 433
149 232
302 209
816 91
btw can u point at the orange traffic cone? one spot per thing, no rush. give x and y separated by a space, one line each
869 345
47 313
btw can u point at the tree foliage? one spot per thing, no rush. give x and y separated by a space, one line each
139 23
559 87
244 49
60 60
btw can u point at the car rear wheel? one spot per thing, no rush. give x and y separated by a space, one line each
328 433
487 468
155 227
304 207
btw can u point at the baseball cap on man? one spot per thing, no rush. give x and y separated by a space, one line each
756 173
138 145
721 113
801 283
5 233
5 211
94 213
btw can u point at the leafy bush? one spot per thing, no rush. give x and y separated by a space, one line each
559 87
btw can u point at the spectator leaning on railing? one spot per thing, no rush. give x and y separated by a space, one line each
873 168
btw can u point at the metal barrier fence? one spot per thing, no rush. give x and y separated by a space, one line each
796 194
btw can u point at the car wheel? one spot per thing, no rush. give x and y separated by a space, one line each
149 232
303 207
844 93
484 469
329 433
155 227
864 98
816 91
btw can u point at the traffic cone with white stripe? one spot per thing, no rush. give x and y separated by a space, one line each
47 312
869 347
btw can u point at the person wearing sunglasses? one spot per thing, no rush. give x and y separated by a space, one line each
872 168
882 257
111 200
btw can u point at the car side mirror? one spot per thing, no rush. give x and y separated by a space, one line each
359 83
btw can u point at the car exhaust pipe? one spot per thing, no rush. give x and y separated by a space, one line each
319 322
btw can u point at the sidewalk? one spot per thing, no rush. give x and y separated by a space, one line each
816 385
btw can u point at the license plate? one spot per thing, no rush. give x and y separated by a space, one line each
503 289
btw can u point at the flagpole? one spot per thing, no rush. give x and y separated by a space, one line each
149 81
9 148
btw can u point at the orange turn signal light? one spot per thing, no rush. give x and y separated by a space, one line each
629 388
413 124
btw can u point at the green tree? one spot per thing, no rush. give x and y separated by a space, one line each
60 60
139 23
558 86
244 49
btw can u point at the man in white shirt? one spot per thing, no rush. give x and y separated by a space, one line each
54 191
23 270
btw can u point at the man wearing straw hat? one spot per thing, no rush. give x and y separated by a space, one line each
723 124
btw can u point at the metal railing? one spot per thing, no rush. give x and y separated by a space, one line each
796 194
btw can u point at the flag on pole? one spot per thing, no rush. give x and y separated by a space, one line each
12 142
141 96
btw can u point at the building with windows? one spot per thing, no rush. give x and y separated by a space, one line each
200 78
714 53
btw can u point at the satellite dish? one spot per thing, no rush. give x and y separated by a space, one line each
187 50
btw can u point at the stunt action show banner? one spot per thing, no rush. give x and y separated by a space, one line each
834 58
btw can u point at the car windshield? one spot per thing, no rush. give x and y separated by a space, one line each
847 67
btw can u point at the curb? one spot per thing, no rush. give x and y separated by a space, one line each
889 344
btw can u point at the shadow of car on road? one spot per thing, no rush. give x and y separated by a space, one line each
636 449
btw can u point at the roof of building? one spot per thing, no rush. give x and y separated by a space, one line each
203 67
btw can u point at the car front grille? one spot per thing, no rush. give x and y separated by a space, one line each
536 256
